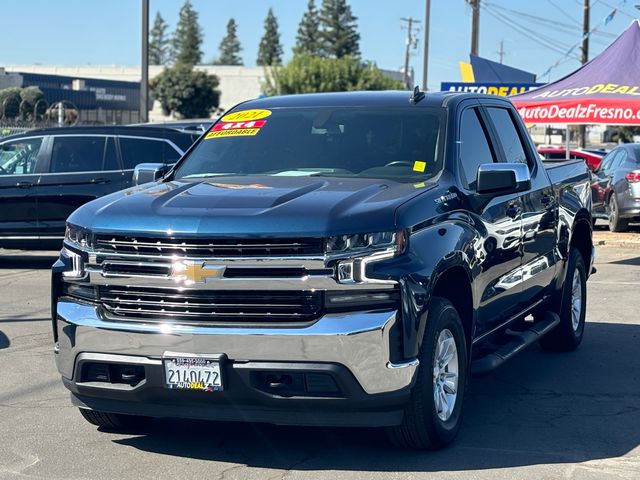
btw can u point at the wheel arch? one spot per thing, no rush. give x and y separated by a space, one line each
582 236
454 284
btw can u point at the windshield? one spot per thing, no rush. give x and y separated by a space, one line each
396 143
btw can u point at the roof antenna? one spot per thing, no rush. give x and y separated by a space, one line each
417 95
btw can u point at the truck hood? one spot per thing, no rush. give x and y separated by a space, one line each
251 206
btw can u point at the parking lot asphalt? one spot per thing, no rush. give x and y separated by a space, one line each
541 416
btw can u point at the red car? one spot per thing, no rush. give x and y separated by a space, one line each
556 153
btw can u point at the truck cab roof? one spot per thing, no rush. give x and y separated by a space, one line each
388 98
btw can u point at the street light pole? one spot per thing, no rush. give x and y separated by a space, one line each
425 53
144 78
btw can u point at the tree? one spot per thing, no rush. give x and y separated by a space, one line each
187 39
311 74
339 35
10 102
270 50
230 46
158 42
189 93
33 103
308 37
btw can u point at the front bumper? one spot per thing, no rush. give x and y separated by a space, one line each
353 348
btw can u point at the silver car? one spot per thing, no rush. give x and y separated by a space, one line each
616 187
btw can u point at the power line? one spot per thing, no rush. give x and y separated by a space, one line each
618 9
550 44
564 13
590 32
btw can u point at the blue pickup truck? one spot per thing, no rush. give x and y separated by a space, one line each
326 259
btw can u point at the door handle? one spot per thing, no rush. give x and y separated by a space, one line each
24 184
513 210
100 180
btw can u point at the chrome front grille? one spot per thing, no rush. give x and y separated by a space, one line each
209 306
223 248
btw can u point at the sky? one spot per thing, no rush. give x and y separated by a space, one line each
95 32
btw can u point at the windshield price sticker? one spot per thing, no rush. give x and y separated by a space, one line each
236 129
246 115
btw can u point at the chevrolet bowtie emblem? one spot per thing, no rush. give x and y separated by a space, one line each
195 272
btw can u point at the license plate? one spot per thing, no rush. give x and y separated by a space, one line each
192 372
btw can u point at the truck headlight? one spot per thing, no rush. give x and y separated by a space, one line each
365 243
77 236
355 252
74 262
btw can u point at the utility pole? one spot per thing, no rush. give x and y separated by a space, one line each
144 78
475 25
501 52
411 42
425 53
585 58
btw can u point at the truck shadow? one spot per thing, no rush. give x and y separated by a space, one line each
13 261
4 340
541 408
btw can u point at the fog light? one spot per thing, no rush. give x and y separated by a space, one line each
343 300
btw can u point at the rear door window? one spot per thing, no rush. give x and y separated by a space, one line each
146 150
619 159
474 147
19 157
507 135
77 154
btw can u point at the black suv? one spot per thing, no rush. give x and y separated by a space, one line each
46 174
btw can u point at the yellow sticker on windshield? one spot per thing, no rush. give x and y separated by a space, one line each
419 166
246 115
239 132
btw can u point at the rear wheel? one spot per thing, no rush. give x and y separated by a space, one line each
434 413
568 334
115 421
616 224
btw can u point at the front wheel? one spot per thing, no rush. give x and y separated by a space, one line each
115 421
434 413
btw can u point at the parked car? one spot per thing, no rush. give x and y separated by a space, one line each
46 174
328 259
555 153
616 187
192 126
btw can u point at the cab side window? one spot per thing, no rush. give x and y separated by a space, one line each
19 157
507 135
474 147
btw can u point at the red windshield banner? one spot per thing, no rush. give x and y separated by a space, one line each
607 111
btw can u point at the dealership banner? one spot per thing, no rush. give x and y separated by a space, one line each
588 111
500 89
605 90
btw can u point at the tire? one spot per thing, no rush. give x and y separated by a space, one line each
616 224
568 334
115 421
423 427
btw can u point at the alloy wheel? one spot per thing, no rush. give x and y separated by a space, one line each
445 375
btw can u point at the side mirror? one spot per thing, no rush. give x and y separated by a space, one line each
502 178
148 172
